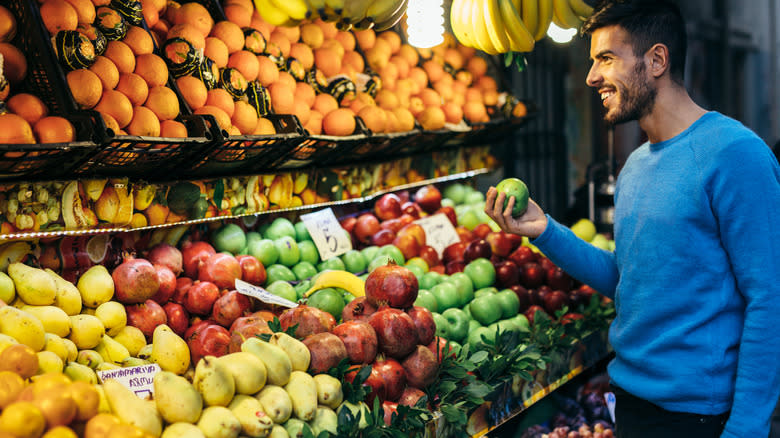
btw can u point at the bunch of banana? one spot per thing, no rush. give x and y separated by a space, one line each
360 14
569 14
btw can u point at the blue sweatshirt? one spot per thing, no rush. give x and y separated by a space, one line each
695 275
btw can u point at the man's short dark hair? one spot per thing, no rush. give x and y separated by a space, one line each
648 22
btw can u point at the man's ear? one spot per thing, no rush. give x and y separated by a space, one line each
658 60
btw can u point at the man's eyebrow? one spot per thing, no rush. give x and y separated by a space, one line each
602 54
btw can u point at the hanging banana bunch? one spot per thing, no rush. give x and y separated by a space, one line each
502 26
347 14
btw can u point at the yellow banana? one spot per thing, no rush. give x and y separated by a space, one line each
336 5
479 25
496 27
455 22
354 11
529 11
393 19
580 8
295 9
270 14
520 38
545 18
565 15
316 9
343 279
381 10
464 23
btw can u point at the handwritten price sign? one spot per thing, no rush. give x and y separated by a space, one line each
261 294
326 232
138 379
439 232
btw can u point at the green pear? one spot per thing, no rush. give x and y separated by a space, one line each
219 422
303 394
248 371
295 428
90 358
214 382
182 430
325 419
96 286
68 296
7 288
249 412
277 362
34 286
296 350
111 350
79 372
329 391
278 431
176 399
276 403
130 409
169 350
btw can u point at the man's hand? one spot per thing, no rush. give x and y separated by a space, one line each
531 224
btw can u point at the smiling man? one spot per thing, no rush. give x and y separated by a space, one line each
697 242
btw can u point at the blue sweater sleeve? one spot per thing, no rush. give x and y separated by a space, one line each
748 211
593 266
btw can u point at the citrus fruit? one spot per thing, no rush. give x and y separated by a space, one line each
121 55
7 25
230 34
58 15
106 71
15 130
340 122
217 51
117 105
173 129
152 68
27 106
53 129
134 87
139 40
144 123
163 102
22 419
85 86
20 359
193 90
14 63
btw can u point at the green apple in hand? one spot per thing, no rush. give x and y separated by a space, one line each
517 188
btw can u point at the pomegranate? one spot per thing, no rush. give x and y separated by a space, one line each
394 376
410 396
357 309
437 347
230 306
200 297
166 255
182 285
146 316
252 271
421 367
391 285
167 281
207 339
389 408
359 338
135 281
244 328
395 331
310 320
222 269
178 318
423 320
374 381
192 254
326 351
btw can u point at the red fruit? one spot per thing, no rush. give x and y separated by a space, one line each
522 295
222 269
523 255
244 328
393 225
465 234
383 237
182 285
166 255
207 339
571 317
531 275
500 243
410 396
391 285
450 213
388 207
414 230
252 271
437 346
178 318
359 339
310 320
326 351
454 266
558 279
477 248
200 297
348 224
423 320
428 198
394 376
531 312
146 316
192 254
453 252
358 309
481 231
395 331
555 301
546 263
507 274
374 381
408 245
229 307
366 226
167 282
421 367
135 281
429 254
412 209
581 295
388 409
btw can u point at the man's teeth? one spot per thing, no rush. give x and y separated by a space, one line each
605 96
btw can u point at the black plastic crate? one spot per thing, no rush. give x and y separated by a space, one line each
323 150
381 146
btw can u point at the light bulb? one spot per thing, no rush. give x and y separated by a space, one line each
425 23
560 35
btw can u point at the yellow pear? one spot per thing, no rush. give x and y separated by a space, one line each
113 316
56 345
324 420
169 350
49 362
182 430
96 286
214 382
277 363
249 412
68 296
248 371
23 327
7 288
276 403
329 391
86 331
79 372
303 394
54 319
132 338
111 350
177 400
219 422
34 286
296 350
131 409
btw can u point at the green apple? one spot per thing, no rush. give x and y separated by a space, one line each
446 295
302 287
509 303
348 297
283 289
486 309
517 188
467 311
417 271
229 238
369 252
482 272
474 197
264 250
253 236
332 264
442 325
490 290
417 261
304 270
379 260
280 227
504 325
459 323
289 254
329 300
354 261
477 337
473 325
393 252
301 232
278 272
469 219
522 322
426 299
430 279
309 252
464 286
456 192
447 202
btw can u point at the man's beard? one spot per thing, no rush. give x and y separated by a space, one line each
636 100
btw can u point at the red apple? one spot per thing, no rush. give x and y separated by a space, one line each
429 198
414 230
394 376
412 209
359 339
453 252
403 196
500 244
408 245
507 274
348 223
383 237
439 269
481 231
478 248
515 239
393 225
464 234
546 263
178 318
581 295
388 206
558 279
531 275
570 317
450 213
366 226
429 254
454 266
555 300
406 219
522 295
252 271
523 255
531 312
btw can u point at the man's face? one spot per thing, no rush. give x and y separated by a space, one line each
621 78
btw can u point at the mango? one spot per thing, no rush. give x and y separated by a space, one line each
182 430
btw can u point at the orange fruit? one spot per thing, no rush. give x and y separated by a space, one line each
311 35
467 52
392 124
432 118
477 66
85 86
7 25
121 55
163 102
302 111
20 359
430 97
327 61
85 10
110 122
193 91
305 93
14 63
153 69
339 122
281 41
475 112
453 112
393 40
230 34
287 80
54 129
106 71
116 105
490 97
302 53
444 87
329 30
244 117
139 40
386 99
409 54
189 33
463 76
246 63
172 129
360 100
134 87
144 123
239 14
335 46
365 38
293 33
246 4
216 50
325 103
405 119
354 60
161 30
401 65
260 25
314 126
486 83
473 94
58 15
282 98
150 12
434 70
223 120
377 58
453 58
416 105
374 118
195 15
28 107
221 99
264 127
419 76
267 72
15 130
347 40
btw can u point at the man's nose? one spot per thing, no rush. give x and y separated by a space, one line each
594 77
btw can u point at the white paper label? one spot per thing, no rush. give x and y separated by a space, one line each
439 232
611 401
138 379
262 294
326 232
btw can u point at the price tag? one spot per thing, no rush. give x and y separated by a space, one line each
439 232
262 294
326 232
138 379
611 401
